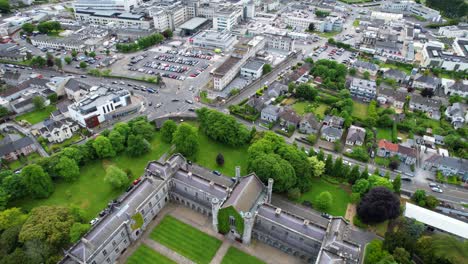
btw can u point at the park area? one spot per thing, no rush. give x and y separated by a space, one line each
145 255
37 116
90 192
235 256
186 240
340 197
360 110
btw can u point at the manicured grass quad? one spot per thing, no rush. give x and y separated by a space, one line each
340 197
186 240
235 256
145 255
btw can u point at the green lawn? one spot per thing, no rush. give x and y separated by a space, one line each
31 158
186 240
341 198
300 108
146 255
384 133
235 256
90 192
382 161
209 149
360 110
37 116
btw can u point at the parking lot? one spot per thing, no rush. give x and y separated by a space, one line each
334 53
172 63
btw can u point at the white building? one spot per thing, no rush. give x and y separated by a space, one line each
433 55
411 8
363 88
281 42
211 39
227 71
169 15
66 43
114 19
102 104
253 69
56 131
453 32
301 21
111 5
226 18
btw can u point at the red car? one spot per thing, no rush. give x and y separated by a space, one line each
135 182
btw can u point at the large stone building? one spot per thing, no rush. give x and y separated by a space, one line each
241 209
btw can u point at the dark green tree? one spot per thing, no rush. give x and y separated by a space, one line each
37 182
167 130
186 140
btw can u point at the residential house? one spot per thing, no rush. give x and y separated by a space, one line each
396 75
257 103
75 89
58 130
407 154
426 105
13 146
270 113
364 66
334 121
387 149
289 117
395 98
356 136
456 114
276 89
309 124
426 82
331 133
361 88
447 165
457 88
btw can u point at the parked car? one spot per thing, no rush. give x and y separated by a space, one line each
94 221
215 172
325 215
435 189
406 179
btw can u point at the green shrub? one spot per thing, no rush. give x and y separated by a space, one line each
223 220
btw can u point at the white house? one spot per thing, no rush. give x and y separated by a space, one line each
56 131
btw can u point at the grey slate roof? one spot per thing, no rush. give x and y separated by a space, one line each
459 86
293 222
366 65
418 99
356 133
13 142
459 163
245 194
312 120
394 74
75 85
332 131
428 79
271 110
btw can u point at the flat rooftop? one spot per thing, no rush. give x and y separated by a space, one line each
193 23
437 220
226 66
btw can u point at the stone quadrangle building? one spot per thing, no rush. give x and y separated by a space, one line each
241 211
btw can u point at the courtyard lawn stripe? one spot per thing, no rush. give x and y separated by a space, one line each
236 256
186 240
146 255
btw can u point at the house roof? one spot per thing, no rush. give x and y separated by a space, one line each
75 85
450 162
13 142
335 121
290 115
366 65
459 86
332 131
271 110
312 120
418 99
356 133
245 194
437 220
428 79
384 144
277 87
257 102
409 152
393 73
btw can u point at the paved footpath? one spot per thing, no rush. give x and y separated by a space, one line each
220 253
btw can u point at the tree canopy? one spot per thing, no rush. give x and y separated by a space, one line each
186 140
116 177
103 147
167 130
378 205
37 182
